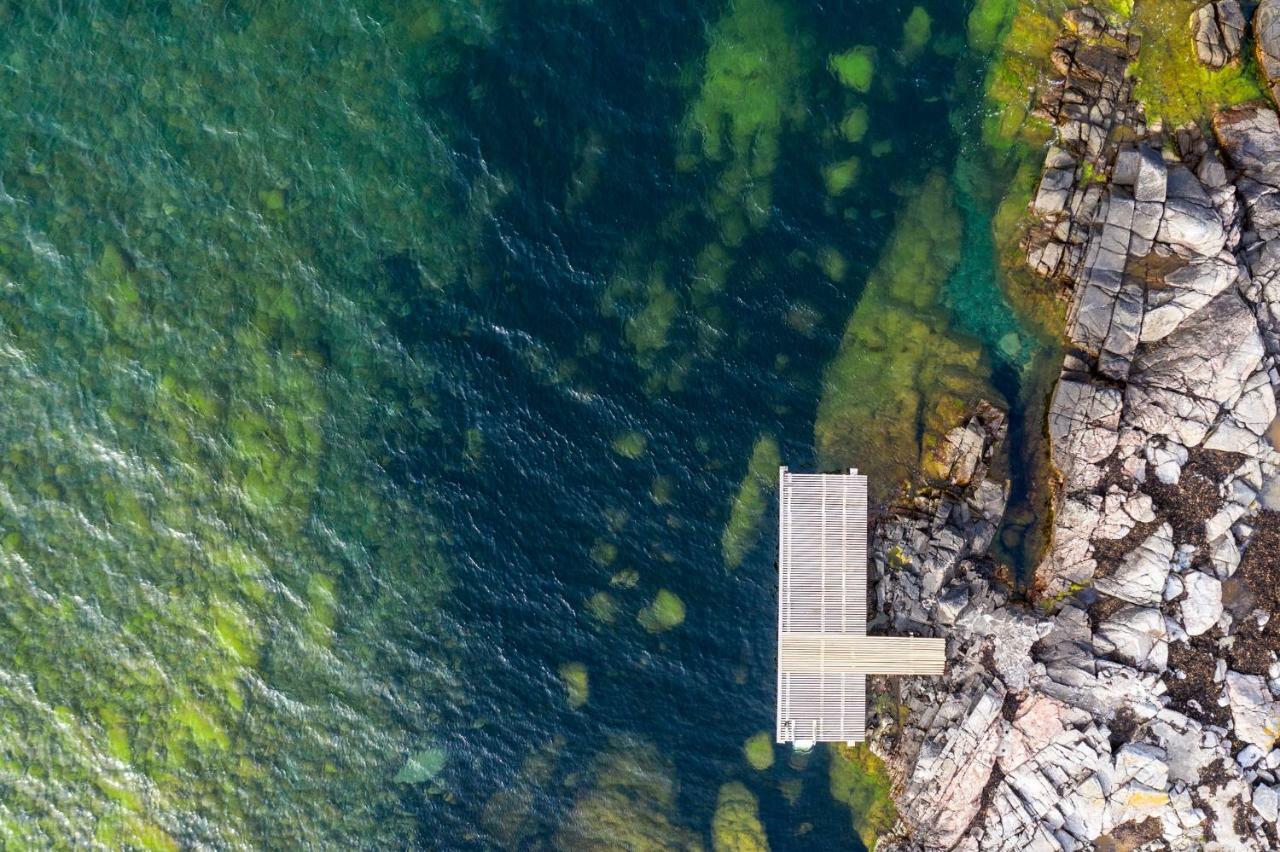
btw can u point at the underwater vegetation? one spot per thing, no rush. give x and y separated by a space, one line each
752 91
629 804
576 687
858 778
186 604
742 532
1172 82
736 825
759 750
903 373
665 612
855 68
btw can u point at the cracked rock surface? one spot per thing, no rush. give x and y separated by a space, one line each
1137 701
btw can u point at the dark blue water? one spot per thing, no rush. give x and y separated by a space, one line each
411 328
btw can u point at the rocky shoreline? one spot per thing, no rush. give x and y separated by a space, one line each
1136 701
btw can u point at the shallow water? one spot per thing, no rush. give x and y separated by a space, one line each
370 369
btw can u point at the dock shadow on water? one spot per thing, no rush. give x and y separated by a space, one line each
394 394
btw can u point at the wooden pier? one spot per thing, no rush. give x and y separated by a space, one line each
824 652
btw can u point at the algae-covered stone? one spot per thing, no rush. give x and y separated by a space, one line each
855 68
902 370
743 529
855 124
630 804
665 612
833 263
915 32
858 778
840 176
1173 84
759 750
630 445
736 825
752 90
602 607
576 687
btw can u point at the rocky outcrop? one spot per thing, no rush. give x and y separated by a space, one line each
1138 700
1266 35
1216 29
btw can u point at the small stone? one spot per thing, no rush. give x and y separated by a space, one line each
1249 756
1202 607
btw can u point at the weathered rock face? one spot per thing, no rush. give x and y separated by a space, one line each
1217 29
1140 699
1266 34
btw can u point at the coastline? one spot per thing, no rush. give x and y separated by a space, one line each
1136 699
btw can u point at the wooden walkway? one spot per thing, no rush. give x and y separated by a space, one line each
824 653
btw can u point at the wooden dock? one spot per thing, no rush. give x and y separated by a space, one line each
824 653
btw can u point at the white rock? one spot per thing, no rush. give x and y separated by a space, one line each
1255 714
1249 756
1141 576
1144 763
1224 555
1172 587
1136 635
1266 801
1202 607
1167 462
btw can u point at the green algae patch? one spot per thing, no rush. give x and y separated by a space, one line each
603 552
1025 31
602 607
854 125
855 68
903 371
1172 83
758 750
752 91
665 612
986 20
629 804
185 527
630 445
916 32
859 779
743 529
832 263
736 825
841 176
577 690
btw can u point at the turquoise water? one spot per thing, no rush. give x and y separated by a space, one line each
370 368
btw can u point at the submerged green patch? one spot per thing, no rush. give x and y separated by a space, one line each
1172 82
736 825
858 778
855 68
630 803
200 398
903 374
743 529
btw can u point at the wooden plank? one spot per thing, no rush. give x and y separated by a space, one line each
831 652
